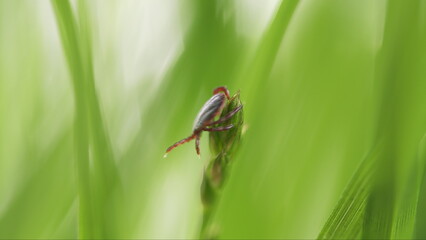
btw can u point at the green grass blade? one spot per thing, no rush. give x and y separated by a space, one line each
267 50
420 230
67 27
382 218
95 184
100 142
105 174
345 222
407 207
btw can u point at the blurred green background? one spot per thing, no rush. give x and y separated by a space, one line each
93 92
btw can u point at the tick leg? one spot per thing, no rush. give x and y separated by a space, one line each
227 116
180 143
218 129
197 144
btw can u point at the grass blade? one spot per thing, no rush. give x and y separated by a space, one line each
67 27
420 231
381 218
345 222
94 183
266 52
407 207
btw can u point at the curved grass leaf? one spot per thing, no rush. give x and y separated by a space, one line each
267 50
345 222
419 227
409 203
381 218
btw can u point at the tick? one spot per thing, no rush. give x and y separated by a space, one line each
205 118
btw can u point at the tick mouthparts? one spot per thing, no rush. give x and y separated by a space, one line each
165 155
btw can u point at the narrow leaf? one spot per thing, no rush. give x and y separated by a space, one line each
345 222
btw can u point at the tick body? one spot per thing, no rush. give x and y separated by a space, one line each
205 118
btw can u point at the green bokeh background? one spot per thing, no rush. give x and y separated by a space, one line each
92 93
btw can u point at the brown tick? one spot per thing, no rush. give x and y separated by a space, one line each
205 118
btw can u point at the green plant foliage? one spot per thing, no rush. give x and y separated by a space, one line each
346 221
98 181
223 147
420 188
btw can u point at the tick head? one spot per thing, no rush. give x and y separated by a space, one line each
222 89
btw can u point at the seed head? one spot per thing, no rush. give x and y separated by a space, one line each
226 142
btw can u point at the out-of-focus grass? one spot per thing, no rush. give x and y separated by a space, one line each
96 170
400 133
105 86
384 205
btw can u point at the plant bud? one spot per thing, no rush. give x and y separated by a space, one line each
226 142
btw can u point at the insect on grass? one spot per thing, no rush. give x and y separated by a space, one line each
205 118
